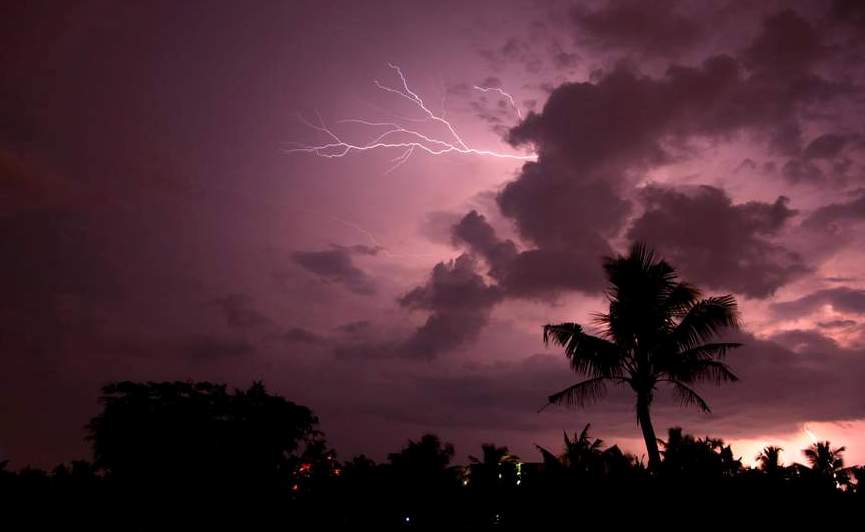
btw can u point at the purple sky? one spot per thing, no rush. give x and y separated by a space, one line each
156 225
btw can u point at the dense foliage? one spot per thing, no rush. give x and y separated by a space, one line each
195 456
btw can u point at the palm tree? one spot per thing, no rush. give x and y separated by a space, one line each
654 332
827 463
494 455
858 473
770 461
581 445
583 454
698 458
582 451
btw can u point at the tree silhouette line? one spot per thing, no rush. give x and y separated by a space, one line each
198 456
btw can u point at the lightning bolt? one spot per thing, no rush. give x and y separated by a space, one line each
506 96
810 435
393 135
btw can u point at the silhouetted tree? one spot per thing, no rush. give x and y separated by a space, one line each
701 459
493 455
491 482
584 457
203 478
769 461
315 468
858 474
583 452
654 332
174 443
496 466
421 482
827 464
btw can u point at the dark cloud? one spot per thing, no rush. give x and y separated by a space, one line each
841 298
556 208
459 302
647 28
787 46
837 324
828 216
533 273
783 61
620 123
827 146
592 139
717 243
849 12
835 279
595 139
474 230
360 249
623 117
805 341
336 265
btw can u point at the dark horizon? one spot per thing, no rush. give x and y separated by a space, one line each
189 193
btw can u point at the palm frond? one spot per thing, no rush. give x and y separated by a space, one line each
549 458
562 333
688 396
680 299
705 320
713 371
581 393
584 435
715 350
589 355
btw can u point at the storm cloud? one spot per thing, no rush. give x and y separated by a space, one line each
147 200
717 243
458 301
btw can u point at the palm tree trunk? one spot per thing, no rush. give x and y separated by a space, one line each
645 420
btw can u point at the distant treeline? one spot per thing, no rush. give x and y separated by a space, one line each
196 456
